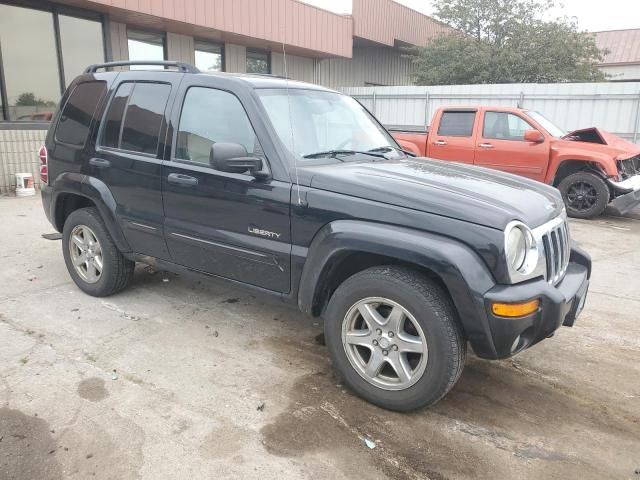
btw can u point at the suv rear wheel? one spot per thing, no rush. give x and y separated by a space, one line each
585 194
393 336
91 256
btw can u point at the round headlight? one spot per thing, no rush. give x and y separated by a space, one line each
517 247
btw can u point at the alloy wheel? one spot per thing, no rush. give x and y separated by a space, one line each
384 343
86 253
582 196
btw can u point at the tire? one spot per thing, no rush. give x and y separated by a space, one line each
425 303
595 194
116 271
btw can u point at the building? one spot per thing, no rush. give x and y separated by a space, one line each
622 62
45 44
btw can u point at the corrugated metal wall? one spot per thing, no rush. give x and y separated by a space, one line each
373 65
298 68
615 107
19 154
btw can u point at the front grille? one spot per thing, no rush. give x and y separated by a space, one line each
629 167
557 251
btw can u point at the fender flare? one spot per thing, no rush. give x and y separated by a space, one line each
462 271
96 191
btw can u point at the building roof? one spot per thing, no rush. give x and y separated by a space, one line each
304 29
623 46
385 22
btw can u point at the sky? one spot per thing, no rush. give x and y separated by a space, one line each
591 14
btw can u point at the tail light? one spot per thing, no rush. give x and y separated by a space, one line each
44 172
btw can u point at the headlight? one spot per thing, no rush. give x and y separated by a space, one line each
520 248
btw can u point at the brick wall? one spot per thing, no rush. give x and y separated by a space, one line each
19 154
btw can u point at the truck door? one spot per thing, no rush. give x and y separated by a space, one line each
454 138
230 225
501 145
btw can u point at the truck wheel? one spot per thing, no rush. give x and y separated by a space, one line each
585 194
92 258
394 337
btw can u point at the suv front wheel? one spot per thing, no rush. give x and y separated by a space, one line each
394 337
94 262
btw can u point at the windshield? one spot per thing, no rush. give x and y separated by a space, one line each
548 125
320 124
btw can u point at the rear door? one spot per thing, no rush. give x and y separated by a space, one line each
454 136
128 155
501 146
226 224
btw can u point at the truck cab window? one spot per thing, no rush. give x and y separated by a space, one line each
504 126
456 123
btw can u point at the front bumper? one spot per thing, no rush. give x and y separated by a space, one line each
559 305
626 194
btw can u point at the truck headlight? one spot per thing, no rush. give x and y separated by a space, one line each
520 248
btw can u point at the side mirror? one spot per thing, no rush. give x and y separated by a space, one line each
233 158
533 136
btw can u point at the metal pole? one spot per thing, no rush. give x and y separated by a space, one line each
521 100
373 103
426 110
636 127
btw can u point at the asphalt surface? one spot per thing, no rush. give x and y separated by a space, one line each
178 378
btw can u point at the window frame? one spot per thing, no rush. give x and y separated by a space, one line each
444 112
223 60
112 95
484 123
55 10
93 116
176 131
260 52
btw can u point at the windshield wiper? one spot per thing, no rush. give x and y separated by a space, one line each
334 153
388 148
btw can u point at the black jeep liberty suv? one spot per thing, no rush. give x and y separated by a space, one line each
299 192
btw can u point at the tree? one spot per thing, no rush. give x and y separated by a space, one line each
28 99
506 41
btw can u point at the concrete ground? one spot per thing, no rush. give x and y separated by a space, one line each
178 378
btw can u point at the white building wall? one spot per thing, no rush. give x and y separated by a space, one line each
235 58
298 68
369 66
622 73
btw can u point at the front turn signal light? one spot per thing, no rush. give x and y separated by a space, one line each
513 310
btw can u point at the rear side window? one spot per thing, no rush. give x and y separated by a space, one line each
135 115
75 118
456 124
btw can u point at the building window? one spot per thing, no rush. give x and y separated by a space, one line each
145 46
82 44
31 80
209 57
29 62
258 62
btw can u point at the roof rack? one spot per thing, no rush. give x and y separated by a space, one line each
183 67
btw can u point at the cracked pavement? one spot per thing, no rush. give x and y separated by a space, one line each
182 378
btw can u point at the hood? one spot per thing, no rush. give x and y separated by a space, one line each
472 194
603 141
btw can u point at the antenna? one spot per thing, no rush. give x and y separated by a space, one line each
295 155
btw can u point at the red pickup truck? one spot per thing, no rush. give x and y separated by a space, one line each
590 167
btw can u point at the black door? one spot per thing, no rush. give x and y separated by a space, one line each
227 224
128 156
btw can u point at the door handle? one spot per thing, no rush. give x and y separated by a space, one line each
180 179
439 142
485 145
99 163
